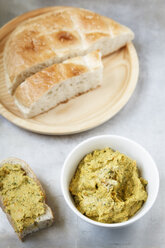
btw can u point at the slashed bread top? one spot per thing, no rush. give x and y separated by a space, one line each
62 33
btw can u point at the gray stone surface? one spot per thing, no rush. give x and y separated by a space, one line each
142 119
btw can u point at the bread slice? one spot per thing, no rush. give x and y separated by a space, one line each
42 221
63 33
59 83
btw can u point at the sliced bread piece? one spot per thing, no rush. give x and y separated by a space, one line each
42 221
59 83
60 34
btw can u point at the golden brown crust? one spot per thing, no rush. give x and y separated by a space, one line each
91 37
90 21
56 34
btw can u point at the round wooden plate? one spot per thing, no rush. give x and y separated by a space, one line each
83 112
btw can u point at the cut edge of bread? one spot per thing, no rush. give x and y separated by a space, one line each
42 221
67 89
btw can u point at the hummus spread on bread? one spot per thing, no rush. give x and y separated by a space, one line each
107 186
21 196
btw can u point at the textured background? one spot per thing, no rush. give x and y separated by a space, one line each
142 119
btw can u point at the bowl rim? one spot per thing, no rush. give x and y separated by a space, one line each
139 214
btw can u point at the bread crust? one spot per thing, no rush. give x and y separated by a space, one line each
38 84
56 36
59 83
30 173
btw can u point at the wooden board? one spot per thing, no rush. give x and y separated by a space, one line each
86 111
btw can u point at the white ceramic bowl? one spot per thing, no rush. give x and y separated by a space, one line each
133 150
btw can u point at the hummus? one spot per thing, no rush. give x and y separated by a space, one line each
107 186
21 196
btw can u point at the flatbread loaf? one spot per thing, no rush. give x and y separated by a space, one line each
53 37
